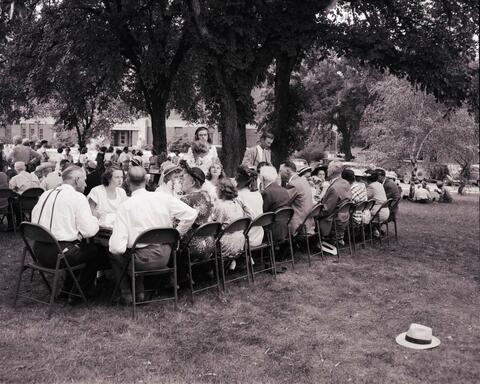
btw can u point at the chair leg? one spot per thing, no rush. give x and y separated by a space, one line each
190 277
362 228
388 234
291 248
22 269
349 241
222 268
247 260
352 231
308 246
336 239
54 289
216 271
175 288
122 276
134 293
250 264
395 227
272 255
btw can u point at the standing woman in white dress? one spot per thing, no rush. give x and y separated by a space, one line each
105 199
205 160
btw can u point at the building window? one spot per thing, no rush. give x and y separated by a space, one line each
23 130
32 130
40 133
8 133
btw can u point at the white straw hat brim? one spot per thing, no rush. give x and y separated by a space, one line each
400 339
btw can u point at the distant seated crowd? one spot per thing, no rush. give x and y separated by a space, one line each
118 193
421 193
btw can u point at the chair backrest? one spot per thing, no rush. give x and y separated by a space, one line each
264 220
370 204
384 205
238 225
6 193
32 192
359 207
34 232
393 203
315 211
283 215
206 230
343 208
158 236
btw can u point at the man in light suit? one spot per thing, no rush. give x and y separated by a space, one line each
337 193
300 196
261 153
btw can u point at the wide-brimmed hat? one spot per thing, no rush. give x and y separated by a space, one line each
304 170
359 173
418 336
169 168
43 166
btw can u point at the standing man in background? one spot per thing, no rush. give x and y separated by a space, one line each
261 153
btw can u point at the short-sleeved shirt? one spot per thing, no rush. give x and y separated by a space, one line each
105 205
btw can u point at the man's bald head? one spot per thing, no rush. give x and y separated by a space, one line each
19 166
137 177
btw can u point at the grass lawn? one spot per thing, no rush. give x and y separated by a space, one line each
332 323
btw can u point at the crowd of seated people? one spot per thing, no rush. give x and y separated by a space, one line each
121 195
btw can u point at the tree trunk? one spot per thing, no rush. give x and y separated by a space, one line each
80 137
280 125
346 146
159 127
233 139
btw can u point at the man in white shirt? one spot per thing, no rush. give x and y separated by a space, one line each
23 180
260 153
65 212
145 210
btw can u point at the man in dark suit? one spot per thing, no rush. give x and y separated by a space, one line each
337 193
391 189
93 177
300 196
274 197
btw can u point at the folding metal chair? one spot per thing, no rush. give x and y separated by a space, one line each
302 233
358 208
206 231
282 217
376 220
265 221
369 207
8 210
31 233
149 237
393 216
27 200
240 225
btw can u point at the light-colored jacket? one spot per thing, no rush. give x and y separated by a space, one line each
252 158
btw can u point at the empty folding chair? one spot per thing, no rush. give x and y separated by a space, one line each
239 225
158 236
265 221
206 233
302 231
281 234
32 233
